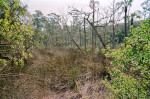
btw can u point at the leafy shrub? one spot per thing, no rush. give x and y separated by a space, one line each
131 64
13 32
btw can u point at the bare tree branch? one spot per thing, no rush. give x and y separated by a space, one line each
99 36
64 23
73 40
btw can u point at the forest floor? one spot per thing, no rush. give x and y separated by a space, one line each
86 84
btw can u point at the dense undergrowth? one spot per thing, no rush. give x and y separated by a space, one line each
130 70
35 73
66 70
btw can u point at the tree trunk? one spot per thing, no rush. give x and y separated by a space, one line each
125 21
84 34
132 20
113 35
80 36
93 30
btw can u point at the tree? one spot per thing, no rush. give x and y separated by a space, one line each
127 4
114 19
103 21
38 25
85 35
64 23
54 26
77 22
93 7
113 35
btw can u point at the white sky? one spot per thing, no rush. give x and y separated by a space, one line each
55 6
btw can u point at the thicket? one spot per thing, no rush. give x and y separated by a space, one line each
15 37
15 40
131 64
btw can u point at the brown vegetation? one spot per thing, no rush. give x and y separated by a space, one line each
56 73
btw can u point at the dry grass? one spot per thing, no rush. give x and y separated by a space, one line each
57 73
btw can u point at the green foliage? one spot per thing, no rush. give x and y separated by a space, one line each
15 33
89 50
46 28
131 71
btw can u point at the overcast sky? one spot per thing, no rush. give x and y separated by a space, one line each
55 6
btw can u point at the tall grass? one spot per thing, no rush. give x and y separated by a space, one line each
46 71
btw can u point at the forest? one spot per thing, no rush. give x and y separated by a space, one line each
97 53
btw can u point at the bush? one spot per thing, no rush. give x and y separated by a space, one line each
131 64
14 33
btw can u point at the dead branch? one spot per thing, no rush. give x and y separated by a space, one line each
99 36
73 40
